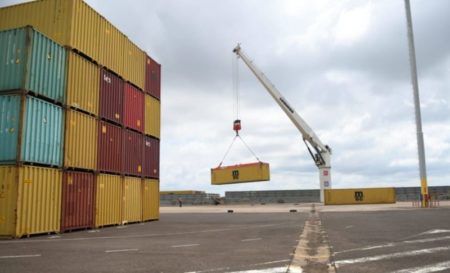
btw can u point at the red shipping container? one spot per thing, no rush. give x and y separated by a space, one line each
151 157
134 104
109 154
78 198
132 153
153 78
111 97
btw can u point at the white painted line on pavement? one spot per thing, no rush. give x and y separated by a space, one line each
190 245
54 237
427 268
251 239
266 270
392 256
20 256
121 250
395 244
436 231
250 265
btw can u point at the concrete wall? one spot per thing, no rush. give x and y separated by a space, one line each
189 199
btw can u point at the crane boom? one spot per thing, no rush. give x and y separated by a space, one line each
320 153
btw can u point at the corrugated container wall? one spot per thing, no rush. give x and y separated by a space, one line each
133 101
112 47
108 204
134 64
132 153
132 200
77 205
80 149
151 157
359 196
38 133
152 78
32 62
150 199
109 148
252 172
111 97
152 117
30 200
83 84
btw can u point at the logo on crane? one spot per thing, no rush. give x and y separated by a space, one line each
359 196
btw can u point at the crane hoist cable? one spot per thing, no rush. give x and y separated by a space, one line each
236 105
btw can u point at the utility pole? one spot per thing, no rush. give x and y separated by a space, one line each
415 84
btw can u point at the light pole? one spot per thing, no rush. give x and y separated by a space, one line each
415 84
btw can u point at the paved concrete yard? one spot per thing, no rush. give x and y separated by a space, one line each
260 238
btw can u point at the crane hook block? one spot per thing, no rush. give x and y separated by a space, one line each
237 125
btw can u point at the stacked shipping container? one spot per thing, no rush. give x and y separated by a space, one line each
99 99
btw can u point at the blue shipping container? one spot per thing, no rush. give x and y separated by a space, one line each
39 131
32 62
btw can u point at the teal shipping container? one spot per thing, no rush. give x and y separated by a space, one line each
31 130
30 61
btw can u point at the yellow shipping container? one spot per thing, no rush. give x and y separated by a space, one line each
112 44
242 173
152 117
132 200
360 196
80 142
134 64
108 204
150 199
83 84
30 200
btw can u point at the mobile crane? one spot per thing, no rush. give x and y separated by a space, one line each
319 152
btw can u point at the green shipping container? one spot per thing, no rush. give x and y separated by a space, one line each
32 62
30 130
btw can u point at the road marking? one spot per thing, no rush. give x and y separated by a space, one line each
436 231
144 236
121 250
251 239
54 237
190 245
395 244
427 268
20 256
392 256
250 265
266 270
93 231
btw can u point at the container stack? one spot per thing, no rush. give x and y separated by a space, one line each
79 124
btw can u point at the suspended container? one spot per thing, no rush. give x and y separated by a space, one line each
150 199
132 153
252 172
360 196
152 117
30 200
83 84
151 157
132 200
31 61
109 148
152 78
133 101
111 97
134 64
80 149
108 200
77 205
30 131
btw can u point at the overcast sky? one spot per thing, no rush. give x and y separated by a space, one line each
343 65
